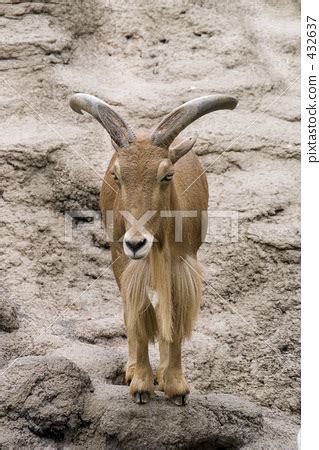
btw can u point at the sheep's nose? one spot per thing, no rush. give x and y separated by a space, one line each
135 246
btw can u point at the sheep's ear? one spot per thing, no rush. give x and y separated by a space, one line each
179 150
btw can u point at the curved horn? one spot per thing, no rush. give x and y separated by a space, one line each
184 115
119 131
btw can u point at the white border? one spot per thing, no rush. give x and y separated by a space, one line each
310 248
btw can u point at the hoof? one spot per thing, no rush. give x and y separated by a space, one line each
142 397
180 400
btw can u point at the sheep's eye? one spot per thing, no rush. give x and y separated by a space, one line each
115 177
167 177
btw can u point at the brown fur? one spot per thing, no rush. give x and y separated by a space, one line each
170 269
178 287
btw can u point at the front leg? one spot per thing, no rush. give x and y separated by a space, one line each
142 386
175 385
141 327
131 363
119 263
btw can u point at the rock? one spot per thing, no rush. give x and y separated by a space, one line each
100 330
99 239
211 421
279 432
103 364
8 316
280 236
47 392
48 31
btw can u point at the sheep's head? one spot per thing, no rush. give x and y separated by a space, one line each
144 166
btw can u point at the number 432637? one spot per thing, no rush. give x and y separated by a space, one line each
311 37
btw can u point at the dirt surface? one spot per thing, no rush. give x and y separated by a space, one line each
63 345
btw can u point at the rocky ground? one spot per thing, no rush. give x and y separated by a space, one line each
63 344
